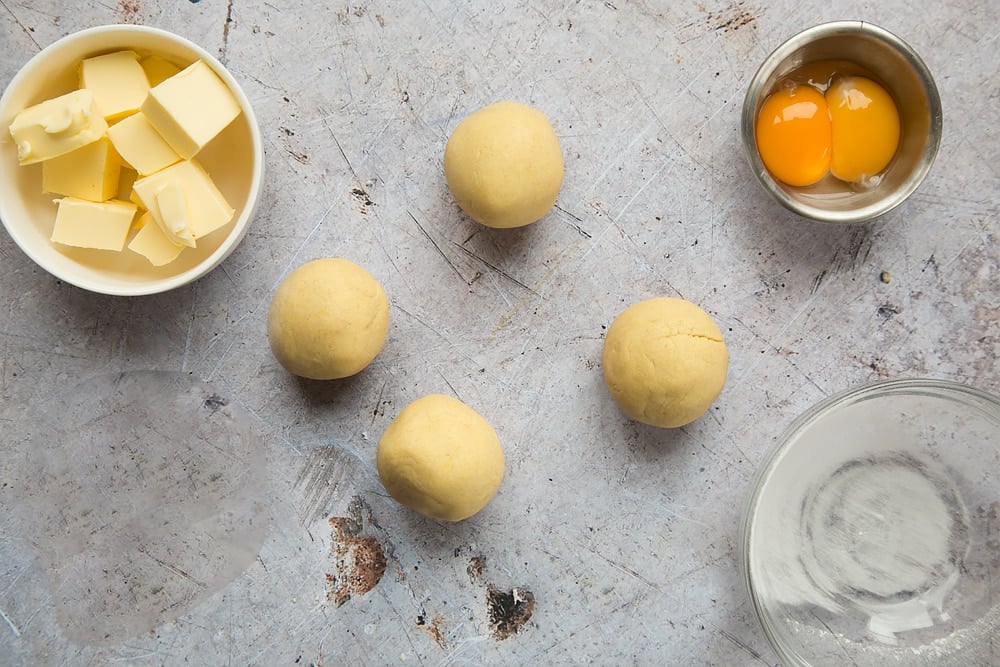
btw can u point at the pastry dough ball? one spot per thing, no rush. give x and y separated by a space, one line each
664 361
440 458
503 165
328 319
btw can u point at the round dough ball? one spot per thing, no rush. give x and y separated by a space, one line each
440 458
328 319
664 361
503 165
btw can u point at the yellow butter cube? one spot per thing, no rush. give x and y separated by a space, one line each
158 69
117 81
152 243
134 198
174 214
126 177
89 172
140 145
207 208
87 224
57 126
190 108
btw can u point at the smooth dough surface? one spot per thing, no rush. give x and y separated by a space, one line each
503 165
441 458
328 319
664 361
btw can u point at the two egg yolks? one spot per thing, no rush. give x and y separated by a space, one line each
851 132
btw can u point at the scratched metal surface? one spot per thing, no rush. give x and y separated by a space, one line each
627 537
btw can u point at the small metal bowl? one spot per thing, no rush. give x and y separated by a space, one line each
895 66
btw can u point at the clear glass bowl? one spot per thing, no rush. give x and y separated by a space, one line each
872 532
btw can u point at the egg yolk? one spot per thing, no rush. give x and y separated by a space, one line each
794 135
865 126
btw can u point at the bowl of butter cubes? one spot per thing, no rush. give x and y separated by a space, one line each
132 160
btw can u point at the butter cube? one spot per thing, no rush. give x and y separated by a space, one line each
152 243
158 69
190 108
140 145
57 126
126 177
89 172
174 214
87 224
134 198
207 208
117 81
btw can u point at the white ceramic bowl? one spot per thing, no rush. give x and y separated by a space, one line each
234 159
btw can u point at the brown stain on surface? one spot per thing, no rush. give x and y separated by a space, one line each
359 562
477 564
508 611
434 629
128 11
360 195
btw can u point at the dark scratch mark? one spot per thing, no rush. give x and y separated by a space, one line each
320 478
818 281
732 18
23 27
583 232
172 568
450 385
225 31
378 410
859 247
627 570
437 247
834 635
339 147
495 268
754 654
302 158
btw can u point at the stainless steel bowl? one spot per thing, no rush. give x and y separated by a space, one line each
900 70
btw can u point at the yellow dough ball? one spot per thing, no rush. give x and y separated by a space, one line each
328 319
503 165
664 361
440 458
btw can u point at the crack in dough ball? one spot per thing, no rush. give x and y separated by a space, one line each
440 458
328 319
664 361
503 165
